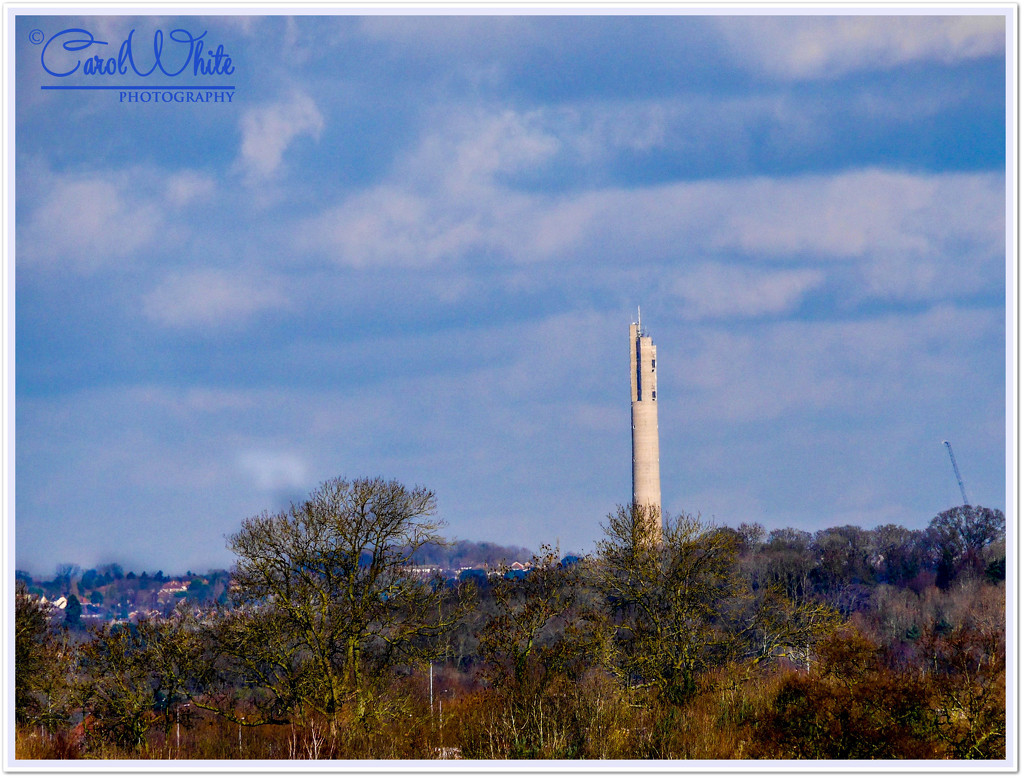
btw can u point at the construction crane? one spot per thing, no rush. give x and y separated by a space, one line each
956 472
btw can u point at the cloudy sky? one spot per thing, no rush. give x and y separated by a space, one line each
413 246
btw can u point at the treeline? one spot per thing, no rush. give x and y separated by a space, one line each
468 553
694 641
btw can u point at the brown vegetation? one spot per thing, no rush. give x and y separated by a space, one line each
712 644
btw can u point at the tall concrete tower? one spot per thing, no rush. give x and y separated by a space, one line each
643 379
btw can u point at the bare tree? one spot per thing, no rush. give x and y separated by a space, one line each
334 575
959 539
777 627
899 554
669 599
785 559
527 608
130 672
43 664
66 571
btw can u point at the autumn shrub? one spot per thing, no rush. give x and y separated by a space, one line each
504 725
968 691
605 721
588 718
41 743
851 706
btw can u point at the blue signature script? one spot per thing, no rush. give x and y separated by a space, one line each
61 56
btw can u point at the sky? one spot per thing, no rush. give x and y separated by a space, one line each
412 247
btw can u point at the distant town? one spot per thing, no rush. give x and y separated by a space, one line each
108 593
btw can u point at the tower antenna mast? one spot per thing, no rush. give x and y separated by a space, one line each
643 371
956 472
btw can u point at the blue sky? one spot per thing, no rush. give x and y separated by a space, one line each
413 246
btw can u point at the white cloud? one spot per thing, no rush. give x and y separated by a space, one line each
472 150
713 290
105 219
457 38
185 404
268 131
189 187
444 199
949 219
83 223
809 47
246 25
856 369
852 214
455 198
389 225
797 45
274 471
196 299
889 235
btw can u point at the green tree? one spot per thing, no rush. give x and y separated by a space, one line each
251 648
111 572
333 573
966 666
73 612
198 590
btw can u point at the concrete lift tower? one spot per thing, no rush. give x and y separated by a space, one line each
643 379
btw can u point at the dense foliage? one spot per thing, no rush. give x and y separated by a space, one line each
331 639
